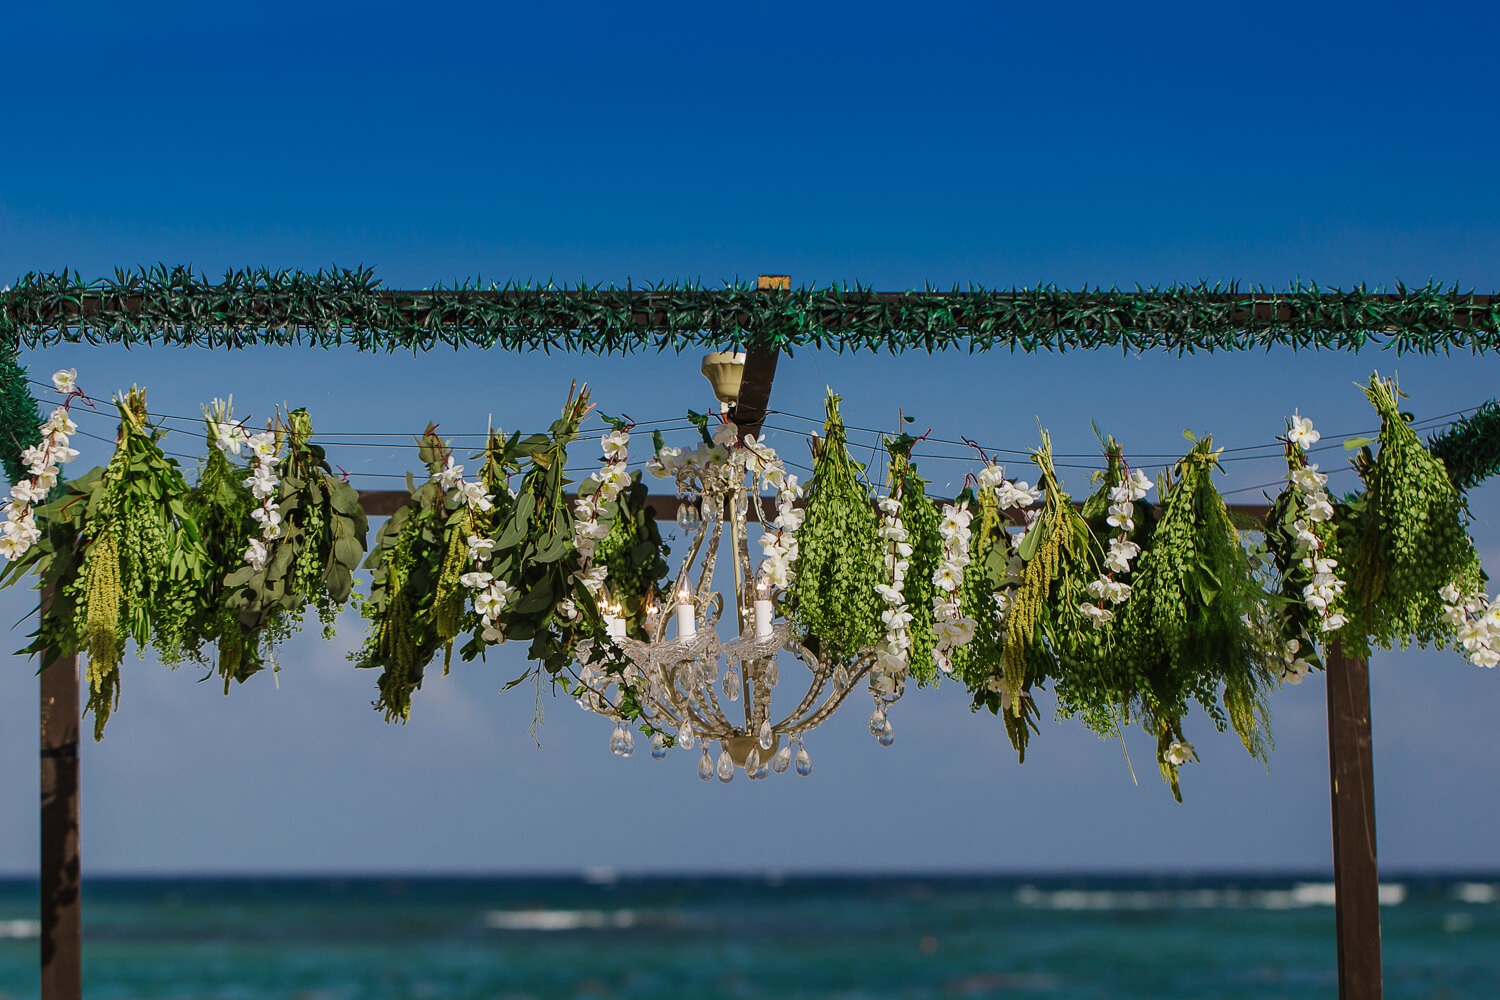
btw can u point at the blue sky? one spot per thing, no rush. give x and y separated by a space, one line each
1074 144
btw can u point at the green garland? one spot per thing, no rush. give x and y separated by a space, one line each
173 305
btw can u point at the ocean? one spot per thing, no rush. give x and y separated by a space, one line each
789 937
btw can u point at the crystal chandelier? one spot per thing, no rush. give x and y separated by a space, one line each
704 690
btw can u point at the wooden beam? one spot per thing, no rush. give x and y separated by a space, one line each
62 937
1356 876
749 411
384 503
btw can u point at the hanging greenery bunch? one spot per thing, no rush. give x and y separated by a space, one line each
406 563
312 535
1042 616
1092 684
1303 542
991 577
221 504
981 597
634 555
143 563
1194 627
1470 448
1409 534
839 558
910 550
536 564
465 587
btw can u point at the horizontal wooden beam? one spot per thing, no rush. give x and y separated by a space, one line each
664 506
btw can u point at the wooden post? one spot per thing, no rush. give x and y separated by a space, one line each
1356 877
760 370
62 937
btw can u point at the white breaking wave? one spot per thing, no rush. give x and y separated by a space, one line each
1476 892
559 920
16 930
1301 895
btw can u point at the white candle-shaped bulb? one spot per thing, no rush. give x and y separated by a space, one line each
614 623
687 624
762 608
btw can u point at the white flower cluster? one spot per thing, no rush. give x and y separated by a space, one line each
1477 621
470 493
18 532
264 484
952 627
778 565
590 522
669 461
227 434
1008 496
1325 590
1106 591
895 651
490 596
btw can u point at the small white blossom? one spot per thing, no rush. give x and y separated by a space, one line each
473 496
257 554
65 380
616 445
1179 753
477 580
450 476
1301 433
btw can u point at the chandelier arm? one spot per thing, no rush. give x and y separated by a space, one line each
710 701
821 675
828 707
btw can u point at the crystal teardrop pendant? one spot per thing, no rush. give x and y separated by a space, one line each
617 741
782 760
658 747
726 767
887 735
766 737
752 763
627 743
772 674
804 761
762 771
705 767
732 684
687 517
841 677
877 722
686 738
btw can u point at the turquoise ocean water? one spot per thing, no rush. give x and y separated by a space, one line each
602 936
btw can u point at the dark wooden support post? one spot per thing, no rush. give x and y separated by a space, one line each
1356 877
760 370
62 930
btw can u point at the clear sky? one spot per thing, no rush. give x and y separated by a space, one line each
885 144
